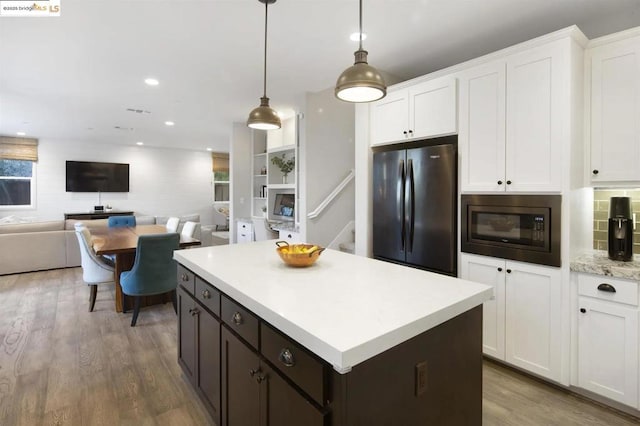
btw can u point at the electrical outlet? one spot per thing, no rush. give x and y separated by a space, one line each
421 378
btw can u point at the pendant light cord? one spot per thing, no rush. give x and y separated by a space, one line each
360 25
264 81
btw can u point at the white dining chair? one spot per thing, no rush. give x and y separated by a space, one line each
189 229
172 224
95 269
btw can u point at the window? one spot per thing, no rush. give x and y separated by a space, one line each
16 183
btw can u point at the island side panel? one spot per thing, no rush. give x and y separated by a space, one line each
384 391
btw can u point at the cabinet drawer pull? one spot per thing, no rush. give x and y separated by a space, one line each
508 271
194 312
595 172
607 287
404 133
583 310
499 182
499 269
184 277
286 357
260 378
253 372
206 294
508 182
237 318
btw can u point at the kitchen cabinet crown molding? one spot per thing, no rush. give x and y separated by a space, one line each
611 38
573 32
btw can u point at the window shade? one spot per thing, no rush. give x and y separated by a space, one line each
18 148
220 161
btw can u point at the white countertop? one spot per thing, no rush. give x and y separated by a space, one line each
344 308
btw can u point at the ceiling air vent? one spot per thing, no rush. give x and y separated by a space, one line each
128 129
138 111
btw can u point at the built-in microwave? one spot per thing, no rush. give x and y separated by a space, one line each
518 227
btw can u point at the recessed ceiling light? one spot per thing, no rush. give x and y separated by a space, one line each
21 133
153 81
209 149
356 36
169 123
139 143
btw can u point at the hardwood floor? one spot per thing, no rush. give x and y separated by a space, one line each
62 365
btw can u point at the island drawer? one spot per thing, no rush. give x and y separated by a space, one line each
294 361
186 279
240 320
208 296
608 288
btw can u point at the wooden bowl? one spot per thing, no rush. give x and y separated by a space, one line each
298 255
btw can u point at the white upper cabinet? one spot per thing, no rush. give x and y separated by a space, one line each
482 128
511 116
420 111
615 111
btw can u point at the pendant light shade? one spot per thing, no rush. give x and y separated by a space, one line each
264 117
360 82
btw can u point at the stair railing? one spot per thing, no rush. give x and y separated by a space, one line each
329 198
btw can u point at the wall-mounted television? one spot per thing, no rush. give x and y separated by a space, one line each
90 176
284 206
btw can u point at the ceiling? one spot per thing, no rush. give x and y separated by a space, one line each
74 77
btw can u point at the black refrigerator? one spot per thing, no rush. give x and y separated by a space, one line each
414 206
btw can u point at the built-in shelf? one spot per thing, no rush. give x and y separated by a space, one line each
282 186
282 148
262 154
259 198
260 175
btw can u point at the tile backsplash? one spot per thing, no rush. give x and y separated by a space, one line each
601 199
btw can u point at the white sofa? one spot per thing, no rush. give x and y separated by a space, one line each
36 246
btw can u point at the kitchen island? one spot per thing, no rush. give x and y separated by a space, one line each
348 341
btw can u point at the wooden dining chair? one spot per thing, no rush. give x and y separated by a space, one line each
95 269
121 221
154 270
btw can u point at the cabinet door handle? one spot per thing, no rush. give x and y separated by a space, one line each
583 310
607 287
254 372
286 357
508 182
194 312
206 294
499 269
508 271
411 131
260 378
404 133
499 182
184 277
595 172
237 318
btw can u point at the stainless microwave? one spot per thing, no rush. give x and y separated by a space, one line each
518 227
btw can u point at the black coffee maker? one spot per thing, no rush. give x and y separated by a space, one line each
620 229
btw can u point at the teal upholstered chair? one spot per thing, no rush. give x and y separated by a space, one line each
120 221
154 270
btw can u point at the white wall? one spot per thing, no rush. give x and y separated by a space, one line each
328 155
240 164
162 182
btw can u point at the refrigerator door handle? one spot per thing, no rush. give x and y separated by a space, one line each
401 180
412 201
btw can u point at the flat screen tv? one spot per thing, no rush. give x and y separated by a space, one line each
90 176
284 206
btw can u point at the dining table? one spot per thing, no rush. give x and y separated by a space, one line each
122 243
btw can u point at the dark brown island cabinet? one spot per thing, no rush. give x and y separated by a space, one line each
247 373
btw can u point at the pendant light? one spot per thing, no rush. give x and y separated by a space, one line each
264 117
360 82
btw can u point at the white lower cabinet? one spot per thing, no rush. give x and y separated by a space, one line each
244 231
522 322
608 337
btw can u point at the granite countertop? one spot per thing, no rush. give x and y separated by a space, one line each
598 262
344 308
